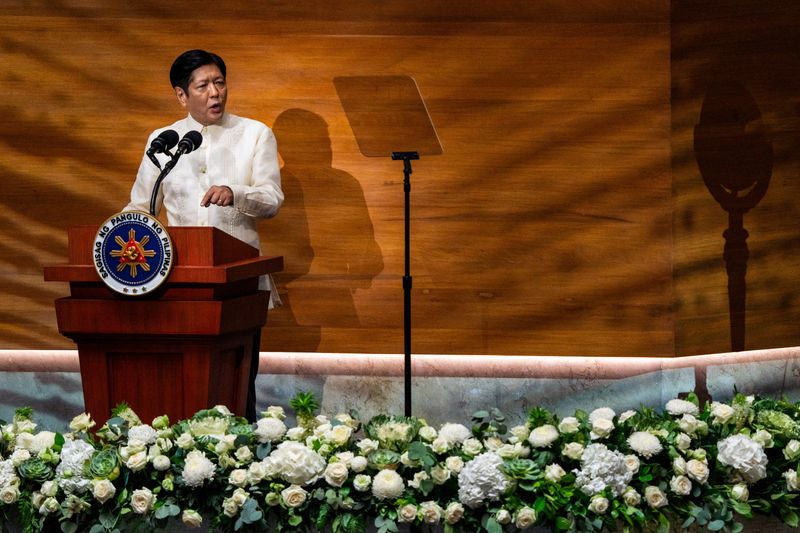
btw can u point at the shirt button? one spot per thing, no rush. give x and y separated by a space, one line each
203 169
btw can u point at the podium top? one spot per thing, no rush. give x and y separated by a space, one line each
202 255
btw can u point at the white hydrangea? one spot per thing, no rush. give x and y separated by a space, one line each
69 472
8 474
143 433
197 469
645 444
297 464
481 480
270 429
678 407
454 433
743 455
601 468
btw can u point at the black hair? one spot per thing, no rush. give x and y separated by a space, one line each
181 71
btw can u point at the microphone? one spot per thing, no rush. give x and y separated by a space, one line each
162 144
190 142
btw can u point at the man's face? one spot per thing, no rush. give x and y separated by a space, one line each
206 95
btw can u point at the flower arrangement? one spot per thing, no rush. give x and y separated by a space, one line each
639 470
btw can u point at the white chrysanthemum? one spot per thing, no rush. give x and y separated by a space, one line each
645 444
601 468
678 407
387 485
481 480
605 413
270 429
297 464
454 433
69 472
197 469
143 433
543 436
743 455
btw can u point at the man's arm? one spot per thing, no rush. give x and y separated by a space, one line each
262 197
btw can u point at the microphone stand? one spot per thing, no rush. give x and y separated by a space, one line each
168 166
407 157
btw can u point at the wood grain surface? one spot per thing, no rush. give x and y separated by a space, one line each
564 216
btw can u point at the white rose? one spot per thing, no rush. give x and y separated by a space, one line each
521 432
631 497
440 445
387 485
419 477
472 447
792 483
688 424
572 450
229 507
554 473
362 482
431 512
792 450
82 422
240 496
9 494
137 461
339 435
407 513
740 492
655 497
632 463
764 438
503 517
103 490
185 441
191 518
602 428
454 464
453 513
602 412
293 496
427 433
697 470
367 446
683 441
358 464
275 411
525 518
598 504
626 415
336 474
569 425
721 412
679 466
238 477
296 433
492 443
439 474
19 457
680 485
142 501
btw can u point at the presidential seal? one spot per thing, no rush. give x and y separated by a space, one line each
133 253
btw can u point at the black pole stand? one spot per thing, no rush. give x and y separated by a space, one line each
407 157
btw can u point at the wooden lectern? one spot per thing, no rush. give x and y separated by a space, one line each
184 348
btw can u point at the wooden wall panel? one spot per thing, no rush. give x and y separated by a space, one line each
747 52
545 227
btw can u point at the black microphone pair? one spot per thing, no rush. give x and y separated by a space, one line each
165 140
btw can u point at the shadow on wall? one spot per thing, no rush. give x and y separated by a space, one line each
325 235
735 159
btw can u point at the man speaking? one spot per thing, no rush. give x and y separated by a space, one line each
229 181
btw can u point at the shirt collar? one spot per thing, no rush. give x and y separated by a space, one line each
192 124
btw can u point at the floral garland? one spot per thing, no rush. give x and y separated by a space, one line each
601 471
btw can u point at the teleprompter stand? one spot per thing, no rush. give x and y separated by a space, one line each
389 118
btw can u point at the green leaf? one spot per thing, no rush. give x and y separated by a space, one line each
493 526
789 517
715 525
